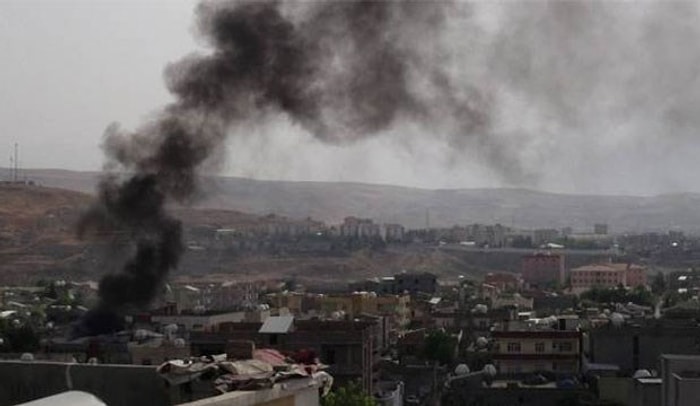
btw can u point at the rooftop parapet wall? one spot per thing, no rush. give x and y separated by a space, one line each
301 392
116 385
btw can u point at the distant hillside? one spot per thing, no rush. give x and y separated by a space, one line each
45 210
415 207
38 240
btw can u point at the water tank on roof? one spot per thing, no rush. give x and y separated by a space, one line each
179 343
482 342
490 370
617 319
27 356
170 328
480 308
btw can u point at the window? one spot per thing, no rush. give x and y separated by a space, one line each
566 346
539 347
513 347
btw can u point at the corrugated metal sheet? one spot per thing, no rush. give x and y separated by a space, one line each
277 325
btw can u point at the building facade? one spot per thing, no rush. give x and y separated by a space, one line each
350 348
607 276
543 268
521 352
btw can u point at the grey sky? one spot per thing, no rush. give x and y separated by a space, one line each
585 97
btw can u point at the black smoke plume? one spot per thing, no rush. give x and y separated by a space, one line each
341 70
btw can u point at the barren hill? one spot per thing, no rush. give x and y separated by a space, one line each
413 207
37 240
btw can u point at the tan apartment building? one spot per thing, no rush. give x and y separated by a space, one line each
607 275
522 352
354 304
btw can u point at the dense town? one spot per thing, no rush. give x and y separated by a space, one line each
349 203
618 327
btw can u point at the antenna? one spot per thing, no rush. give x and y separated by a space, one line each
15 174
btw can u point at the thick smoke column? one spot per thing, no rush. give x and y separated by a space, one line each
339 71
520 85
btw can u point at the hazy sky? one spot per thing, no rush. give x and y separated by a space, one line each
582 97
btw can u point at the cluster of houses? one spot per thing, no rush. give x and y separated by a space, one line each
408 338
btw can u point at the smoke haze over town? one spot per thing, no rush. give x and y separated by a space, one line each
582 97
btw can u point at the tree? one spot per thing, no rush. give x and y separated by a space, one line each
349 395
21 339
658 285
439 346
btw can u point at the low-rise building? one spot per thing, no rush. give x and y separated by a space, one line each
404 282
639 346
197 322
680 376
505 281
543 269
350 348
413 283
513 300
520 352
394 232
608 275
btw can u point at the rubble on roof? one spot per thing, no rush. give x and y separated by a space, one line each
266 368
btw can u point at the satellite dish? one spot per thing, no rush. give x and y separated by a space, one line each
140 334
462 369
490 370
480 308
641 373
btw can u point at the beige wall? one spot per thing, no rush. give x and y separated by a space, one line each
529 345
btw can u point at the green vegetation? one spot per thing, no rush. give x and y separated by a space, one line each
638 295
18 337
439 346
349 395
658 285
